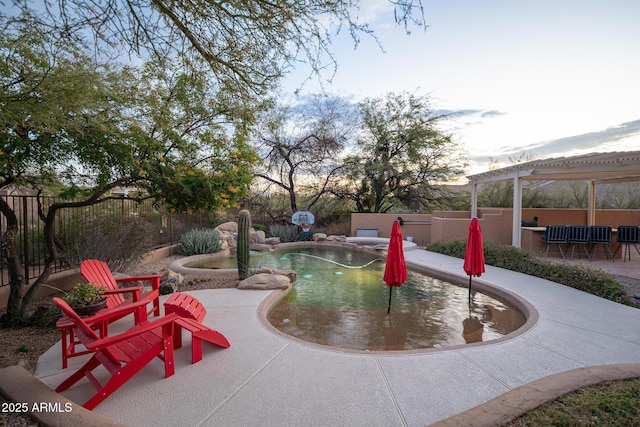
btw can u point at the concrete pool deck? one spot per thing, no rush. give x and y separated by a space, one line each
268 380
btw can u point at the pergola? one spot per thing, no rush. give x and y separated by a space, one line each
594 168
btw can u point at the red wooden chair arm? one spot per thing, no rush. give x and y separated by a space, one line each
153 278
119 311
136 330
134 290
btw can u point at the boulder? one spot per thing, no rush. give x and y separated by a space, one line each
272 241
231 227
337 238
169 282
265 281
291 274
258 247
319 237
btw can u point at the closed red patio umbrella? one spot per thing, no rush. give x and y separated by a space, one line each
474 254
395 270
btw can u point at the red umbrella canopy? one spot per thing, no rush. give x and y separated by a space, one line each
474 255
395 271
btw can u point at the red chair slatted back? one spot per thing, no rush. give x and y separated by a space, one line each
98 273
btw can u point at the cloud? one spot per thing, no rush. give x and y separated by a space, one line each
470 113
603 140
622 137
492 113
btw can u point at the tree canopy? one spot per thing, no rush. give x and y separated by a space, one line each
248 44
163 128
402 158
301 147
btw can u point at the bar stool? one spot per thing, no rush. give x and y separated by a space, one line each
578 235
628 235
601 235
555 234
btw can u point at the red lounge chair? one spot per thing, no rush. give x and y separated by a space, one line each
98 273
122 355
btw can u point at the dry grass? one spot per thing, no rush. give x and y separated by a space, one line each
614 403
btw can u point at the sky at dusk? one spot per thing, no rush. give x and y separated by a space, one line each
550 78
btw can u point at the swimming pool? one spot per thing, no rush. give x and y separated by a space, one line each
340 300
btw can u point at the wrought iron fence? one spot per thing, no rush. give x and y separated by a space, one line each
167 227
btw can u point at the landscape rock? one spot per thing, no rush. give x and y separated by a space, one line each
319 237
229 227
260 247
291 274
272 241
265 281
335 238
169 282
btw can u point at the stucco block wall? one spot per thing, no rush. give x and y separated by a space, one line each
496 223
611 217
420 230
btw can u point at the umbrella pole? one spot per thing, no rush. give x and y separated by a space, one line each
470 289
390 290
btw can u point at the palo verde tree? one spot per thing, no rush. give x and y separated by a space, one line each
402 157
300 146
171 134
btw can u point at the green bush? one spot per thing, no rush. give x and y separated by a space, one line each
199 241
83 294
579 277
291 233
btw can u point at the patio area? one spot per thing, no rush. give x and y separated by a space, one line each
268 380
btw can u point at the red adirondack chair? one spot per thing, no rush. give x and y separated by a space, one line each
122 355
98 273
98 322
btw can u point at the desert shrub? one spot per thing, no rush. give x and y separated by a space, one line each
259 227
199 241
338 228
119 242
579 277
291 232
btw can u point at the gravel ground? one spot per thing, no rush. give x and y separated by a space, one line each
630 285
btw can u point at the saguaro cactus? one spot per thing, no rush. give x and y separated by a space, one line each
244 224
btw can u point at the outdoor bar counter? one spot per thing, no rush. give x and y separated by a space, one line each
531 242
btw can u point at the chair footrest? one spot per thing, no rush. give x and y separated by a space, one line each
201 332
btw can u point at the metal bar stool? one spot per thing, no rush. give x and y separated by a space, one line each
628 235
578 235
601 235
555 235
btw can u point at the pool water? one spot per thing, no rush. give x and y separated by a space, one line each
340 300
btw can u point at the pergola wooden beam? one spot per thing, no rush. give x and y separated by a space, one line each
594 168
